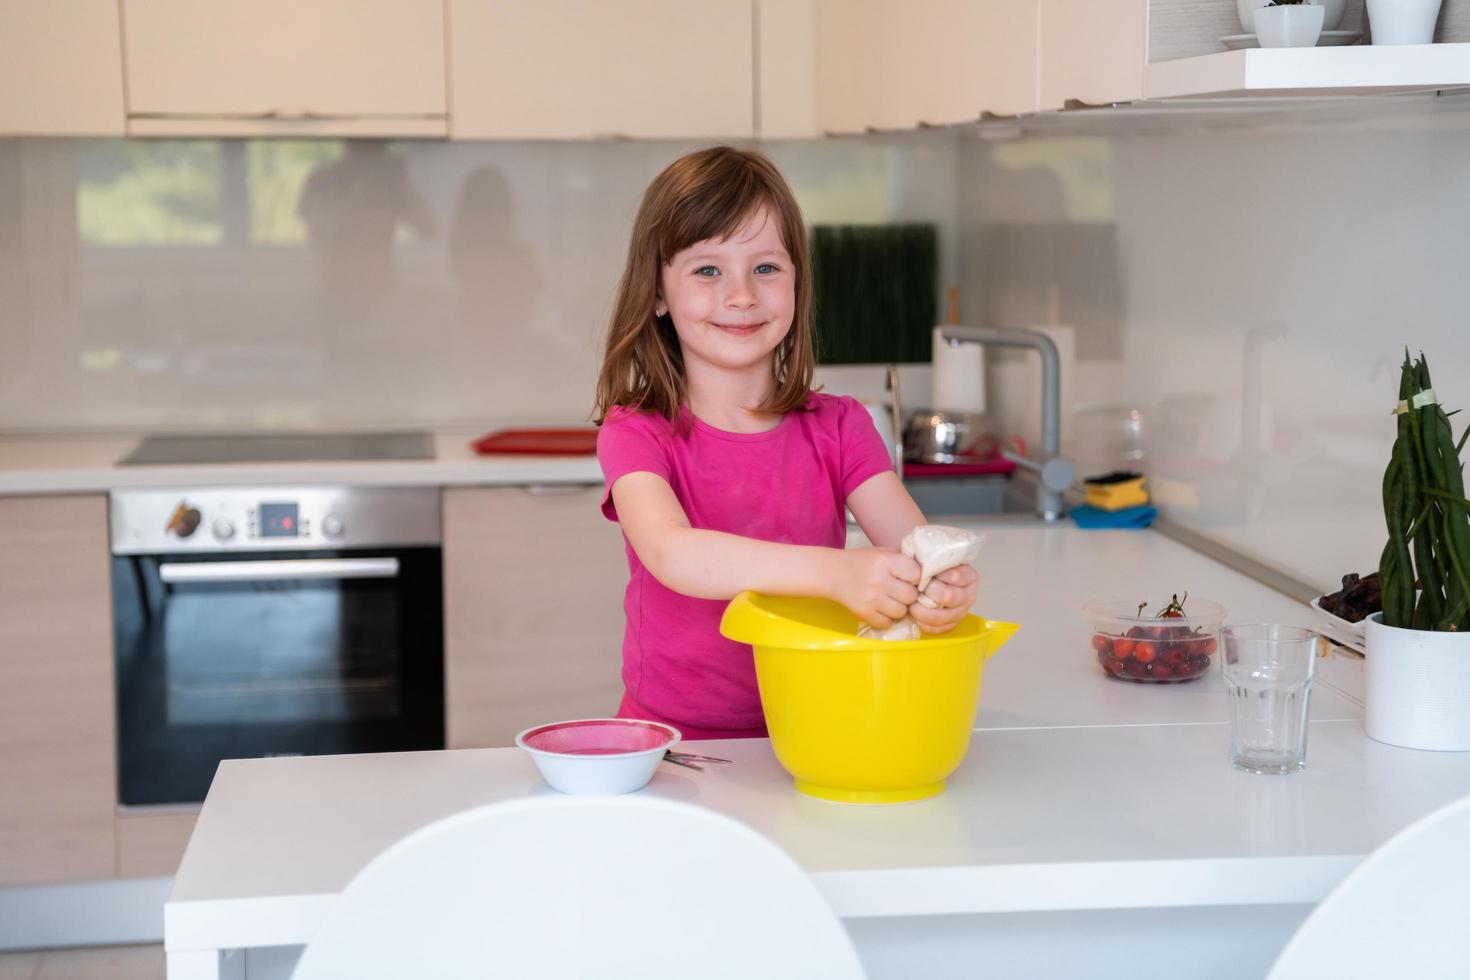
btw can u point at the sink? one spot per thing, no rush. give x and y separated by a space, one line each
1009 502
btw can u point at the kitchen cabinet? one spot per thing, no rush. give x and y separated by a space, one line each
568 69
848 66
533 598
278 67
57 736
61 68
152 844
1092 51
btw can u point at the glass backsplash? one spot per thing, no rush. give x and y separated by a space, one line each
238 284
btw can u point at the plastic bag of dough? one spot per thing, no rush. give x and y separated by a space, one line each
937 549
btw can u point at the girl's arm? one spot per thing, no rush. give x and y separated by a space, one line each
886 512
877 585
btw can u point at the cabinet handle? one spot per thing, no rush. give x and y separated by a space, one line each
285 115
299 115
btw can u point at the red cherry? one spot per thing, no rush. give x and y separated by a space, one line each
1113 667
1145 652
1122 648
1209 645
1136 668
1139 633
1187 669
1162 672
1100 641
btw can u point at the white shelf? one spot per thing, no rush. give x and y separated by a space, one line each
1351 70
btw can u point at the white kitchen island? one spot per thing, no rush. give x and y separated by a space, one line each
1095 828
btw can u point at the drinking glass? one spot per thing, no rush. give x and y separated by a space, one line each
1268 679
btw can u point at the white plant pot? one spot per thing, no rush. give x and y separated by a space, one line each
1246 10
1294 26
1417 687
1332 13
1402 21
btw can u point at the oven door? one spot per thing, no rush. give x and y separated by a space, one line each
299 653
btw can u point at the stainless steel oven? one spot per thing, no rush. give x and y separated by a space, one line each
264 621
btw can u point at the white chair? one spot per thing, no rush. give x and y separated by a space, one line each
1403 912
580 887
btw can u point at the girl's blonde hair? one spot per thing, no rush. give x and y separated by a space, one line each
709 194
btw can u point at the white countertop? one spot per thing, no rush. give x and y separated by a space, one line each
1035 820
89 464
1079 792
1047 675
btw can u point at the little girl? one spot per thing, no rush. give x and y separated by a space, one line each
725 469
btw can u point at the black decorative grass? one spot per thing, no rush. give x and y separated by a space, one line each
876 295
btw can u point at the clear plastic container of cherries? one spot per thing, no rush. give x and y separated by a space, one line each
1175 643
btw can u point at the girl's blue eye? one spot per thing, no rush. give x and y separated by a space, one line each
767 267
706 271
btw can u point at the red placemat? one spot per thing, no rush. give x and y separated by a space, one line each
538 442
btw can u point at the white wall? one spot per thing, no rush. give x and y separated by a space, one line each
487 303
1250 293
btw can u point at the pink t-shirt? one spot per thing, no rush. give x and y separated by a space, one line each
789 484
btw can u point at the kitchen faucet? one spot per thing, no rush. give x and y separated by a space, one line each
1054 475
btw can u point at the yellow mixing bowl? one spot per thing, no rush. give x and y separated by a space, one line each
859 720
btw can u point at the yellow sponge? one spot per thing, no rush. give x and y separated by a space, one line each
1115 491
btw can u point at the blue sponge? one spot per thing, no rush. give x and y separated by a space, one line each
1129 518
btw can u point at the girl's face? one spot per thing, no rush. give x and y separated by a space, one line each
732 301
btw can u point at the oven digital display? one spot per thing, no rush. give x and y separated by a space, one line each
278 520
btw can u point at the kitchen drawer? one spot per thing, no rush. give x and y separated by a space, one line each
533 596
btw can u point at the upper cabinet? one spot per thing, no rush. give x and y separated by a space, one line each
663 69
848 66
1092 51
283 67
569 69
928 63
60 68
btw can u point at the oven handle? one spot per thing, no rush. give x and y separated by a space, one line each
291 568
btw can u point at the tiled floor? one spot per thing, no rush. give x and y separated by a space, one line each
93 963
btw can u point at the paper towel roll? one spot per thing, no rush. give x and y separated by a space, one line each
959 375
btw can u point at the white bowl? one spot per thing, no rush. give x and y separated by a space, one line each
598 756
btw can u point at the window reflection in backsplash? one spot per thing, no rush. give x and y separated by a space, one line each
302 283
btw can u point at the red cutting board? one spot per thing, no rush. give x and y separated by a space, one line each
537 442
978 466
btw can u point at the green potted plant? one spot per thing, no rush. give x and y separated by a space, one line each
1417 677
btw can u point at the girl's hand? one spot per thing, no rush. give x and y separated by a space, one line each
877 584
953 593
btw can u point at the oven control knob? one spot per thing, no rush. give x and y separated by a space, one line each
223 529
332 526
184 521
